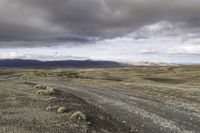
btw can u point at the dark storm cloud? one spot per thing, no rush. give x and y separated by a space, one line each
35 20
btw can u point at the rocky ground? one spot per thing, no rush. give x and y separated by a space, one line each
24 110
115 100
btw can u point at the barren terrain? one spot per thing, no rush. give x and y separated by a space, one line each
112 100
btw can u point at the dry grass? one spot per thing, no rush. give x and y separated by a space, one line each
50 108
78 116
40 87
47 91
164 83
61 110
51 99
23 111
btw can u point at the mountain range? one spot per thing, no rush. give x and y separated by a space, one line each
65 63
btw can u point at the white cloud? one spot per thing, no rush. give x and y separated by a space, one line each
10 55
185 49
166 29
39 54
149 51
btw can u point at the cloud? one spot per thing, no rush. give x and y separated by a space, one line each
11 54
185 49
166 29
149 51
39 20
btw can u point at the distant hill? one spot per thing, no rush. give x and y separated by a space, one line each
141 63
65 64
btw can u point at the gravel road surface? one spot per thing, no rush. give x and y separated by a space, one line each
143 115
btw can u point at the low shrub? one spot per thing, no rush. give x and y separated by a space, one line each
47 91
42 87
61 110
78 116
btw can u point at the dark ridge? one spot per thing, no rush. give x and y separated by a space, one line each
65 63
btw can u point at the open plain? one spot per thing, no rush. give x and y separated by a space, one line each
96 100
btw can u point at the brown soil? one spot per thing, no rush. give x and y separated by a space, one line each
23 111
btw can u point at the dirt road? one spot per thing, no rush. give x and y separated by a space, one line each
23 110
143 115
148 101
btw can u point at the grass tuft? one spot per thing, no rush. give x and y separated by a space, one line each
61 110
78 116
50 108
42 87
47 91
51 99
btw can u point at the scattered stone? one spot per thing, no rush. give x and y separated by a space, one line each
29 83
89 123
124 122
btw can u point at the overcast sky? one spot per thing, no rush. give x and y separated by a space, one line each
120 30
